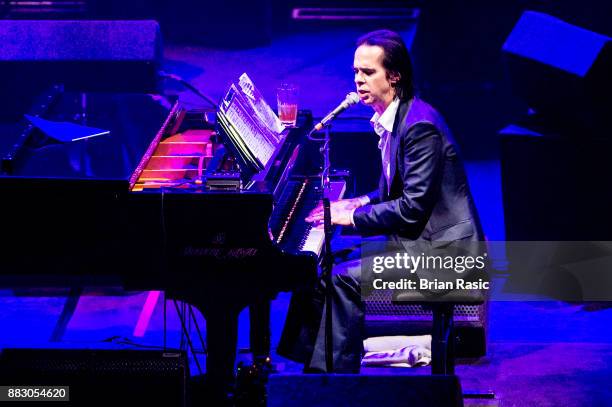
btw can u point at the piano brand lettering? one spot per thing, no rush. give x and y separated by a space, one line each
222 253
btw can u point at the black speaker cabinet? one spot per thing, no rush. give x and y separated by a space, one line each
396 390
101 377
385 318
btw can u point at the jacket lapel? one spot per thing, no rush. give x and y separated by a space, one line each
398 128
382 188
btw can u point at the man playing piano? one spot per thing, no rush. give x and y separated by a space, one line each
423 195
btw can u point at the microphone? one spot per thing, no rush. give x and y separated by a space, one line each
350 100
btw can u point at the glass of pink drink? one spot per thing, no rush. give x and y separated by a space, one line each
286 96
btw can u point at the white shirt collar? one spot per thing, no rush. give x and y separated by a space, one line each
384 122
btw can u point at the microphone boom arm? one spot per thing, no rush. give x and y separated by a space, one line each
350 100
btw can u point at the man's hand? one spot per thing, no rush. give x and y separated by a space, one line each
340 212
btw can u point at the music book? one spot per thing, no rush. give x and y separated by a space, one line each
249 124
262 108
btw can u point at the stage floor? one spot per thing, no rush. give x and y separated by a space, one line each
539 353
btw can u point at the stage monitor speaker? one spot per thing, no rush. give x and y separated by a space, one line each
561 71
101 377
109 56
364 390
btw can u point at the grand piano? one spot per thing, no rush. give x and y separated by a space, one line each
132 208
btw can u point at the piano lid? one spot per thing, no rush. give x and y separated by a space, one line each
133 121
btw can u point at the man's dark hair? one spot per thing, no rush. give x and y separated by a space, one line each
396 59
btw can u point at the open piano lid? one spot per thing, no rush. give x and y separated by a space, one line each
132 120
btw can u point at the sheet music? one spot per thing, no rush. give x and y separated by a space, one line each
247 106
261 107
253 140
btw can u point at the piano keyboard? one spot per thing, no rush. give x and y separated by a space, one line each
288 226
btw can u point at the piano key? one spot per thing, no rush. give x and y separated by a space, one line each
315 236
314 240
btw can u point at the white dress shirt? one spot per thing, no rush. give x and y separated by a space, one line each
383 126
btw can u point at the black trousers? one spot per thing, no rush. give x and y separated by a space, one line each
303 338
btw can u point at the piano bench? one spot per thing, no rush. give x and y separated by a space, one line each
442 337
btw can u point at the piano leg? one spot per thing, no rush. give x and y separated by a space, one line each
67 312
259 333
221 338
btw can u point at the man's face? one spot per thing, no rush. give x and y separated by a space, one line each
373 84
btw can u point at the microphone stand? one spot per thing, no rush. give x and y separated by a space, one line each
327 262
328 259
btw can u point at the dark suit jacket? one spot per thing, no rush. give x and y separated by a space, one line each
429 198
